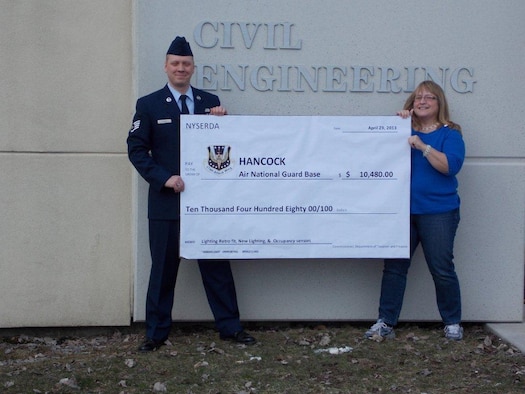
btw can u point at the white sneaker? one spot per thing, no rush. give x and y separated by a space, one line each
380 328
454 332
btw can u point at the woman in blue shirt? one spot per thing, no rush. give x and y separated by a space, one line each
438 152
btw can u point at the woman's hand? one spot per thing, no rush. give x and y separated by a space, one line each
405 113
437 159
415 143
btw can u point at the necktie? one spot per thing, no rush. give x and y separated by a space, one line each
184 107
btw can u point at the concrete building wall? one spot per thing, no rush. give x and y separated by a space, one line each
379 38
65 234
74 231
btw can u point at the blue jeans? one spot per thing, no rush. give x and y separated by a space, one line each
435 233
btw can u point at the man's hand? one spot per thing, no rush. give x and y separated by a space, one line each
219 110
176 183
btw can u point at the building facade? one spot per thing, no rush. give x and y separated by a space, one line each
74 229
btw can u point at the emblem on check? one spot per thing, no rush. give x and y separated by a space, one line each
219 158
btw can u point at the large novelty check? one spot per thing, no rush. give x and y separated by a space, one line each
295 187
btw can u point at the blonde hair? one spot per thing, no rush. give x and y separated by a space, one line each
443 113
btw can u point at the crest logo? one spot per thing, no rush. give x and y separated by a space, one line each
219 159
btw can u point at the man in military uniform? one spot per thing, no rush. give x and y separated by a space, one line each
154 150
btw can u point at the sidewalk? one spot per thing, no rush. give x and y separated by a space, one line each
513 333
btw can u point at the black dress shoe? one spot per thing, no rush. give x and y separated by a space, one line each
149 345
240 337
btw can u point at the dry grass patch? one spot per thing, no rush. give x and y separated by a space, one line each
292 358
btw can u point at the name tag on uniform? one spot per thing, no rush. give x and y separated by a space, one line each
163 121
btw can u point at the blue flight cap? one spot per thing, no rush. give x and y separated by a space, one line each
180 47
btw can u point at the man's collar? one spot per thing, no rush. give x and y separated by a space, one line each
176 94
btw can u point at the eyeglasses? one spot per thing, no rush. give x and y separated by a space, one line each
426 98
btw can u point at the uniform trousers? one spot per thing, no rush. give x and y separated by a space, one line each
216 276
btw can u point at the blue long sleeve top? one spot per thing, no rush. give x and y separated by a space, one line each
432 191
